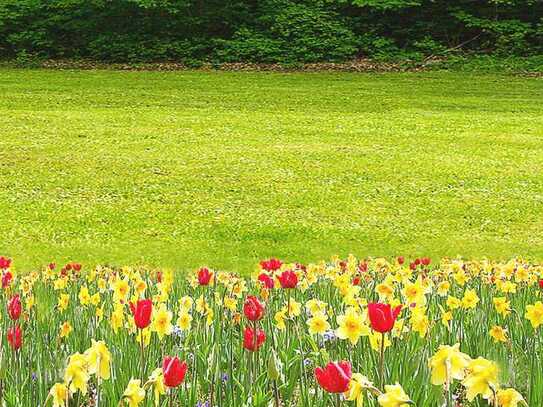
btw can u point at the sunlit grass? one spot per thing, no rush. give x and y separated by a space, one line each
189 168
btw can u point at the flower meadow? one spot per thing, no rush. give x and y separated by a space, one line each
343 332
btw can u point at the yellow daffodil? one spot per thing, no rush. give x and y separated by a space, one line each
446 317
315 306
453 302
294 308
63 301
534 313
184 320
385 291
145 334
414 292
95 299
65 329
419 321
318 324
99 359
482 378
498 333
502 306
162 321
76 374
357 388
59 393
121 290
134 394
352 326
231 303
84 296
280 317
461 277
376 339
448 363
509 398
99 313
394 396
443 288
470 299
117 318
186 302
157 381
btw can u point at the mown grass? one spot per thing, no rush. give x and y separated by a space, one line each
182 169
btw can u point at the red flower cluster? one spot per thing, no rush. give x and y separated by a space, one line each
271 264
15 337
14 307
250 342
204 276
142 313
253 308
6 279
424 261
335 377
266 280
382 316
174 371
5 263
288 279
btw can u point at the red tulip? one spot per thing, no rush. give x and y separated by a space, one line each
142 313
401 260
425 261
14 307
382 317
266 280
76 266
6 279
541 283
159 277
356 280
363 267
174 371
412 266
335 377
271 264
52 266
5 263
288 279
15 337
204 276
249 341
253 308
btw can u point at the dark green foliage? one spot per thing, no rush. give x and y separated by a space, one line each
283 31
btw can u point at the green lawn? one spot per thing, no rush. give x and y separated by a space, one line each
182 169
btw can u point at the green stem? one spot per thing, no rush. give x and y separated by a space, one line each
142 357
382 362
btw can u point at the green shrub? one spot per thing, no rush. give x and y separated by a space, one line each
276 31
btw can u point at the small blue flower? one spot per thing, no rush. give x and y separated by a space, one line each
329 336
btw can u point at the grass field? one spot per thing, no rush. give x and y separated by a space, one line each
190 168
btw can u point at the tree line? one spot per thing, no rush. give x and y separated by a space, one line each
267 31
